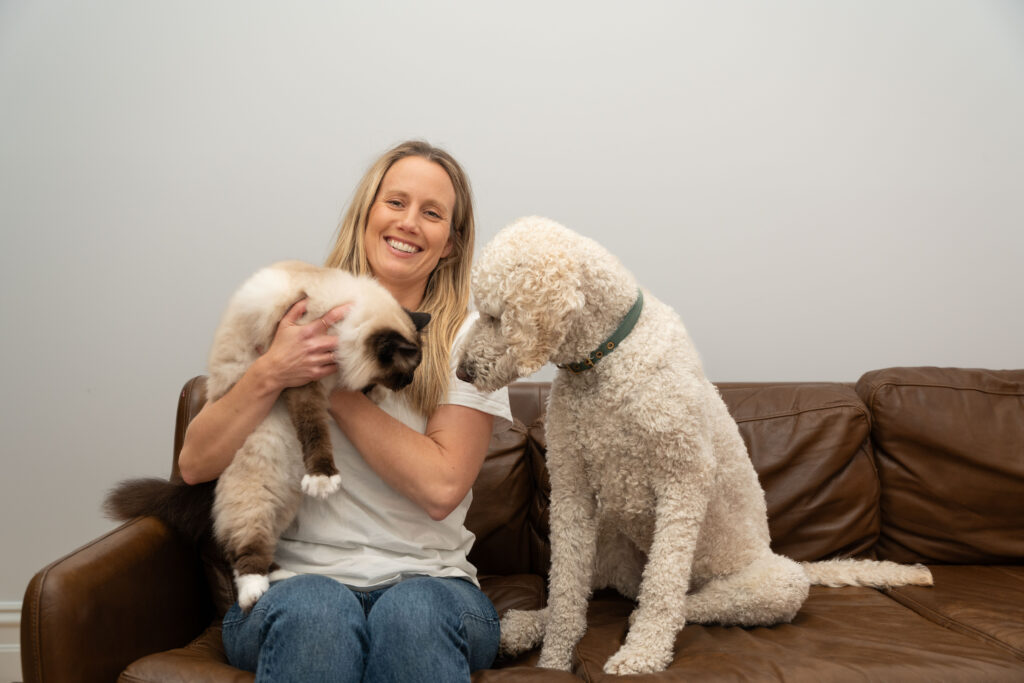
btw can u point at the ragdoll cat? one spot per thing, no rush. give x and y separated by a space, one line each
259 493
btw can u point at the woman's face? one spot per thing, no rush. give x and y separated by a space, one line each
408 229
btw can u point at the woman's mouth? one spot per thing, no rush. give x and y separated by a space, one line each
403 247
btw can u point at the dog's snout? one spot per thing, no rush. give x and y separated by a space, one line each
465 373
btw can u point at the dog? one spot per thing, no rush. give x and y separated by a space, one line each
289 453
652 490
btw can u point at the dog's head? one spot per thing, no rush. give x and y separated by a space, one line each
527 290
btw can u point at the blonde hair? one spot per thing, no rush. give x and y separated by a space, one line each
446 297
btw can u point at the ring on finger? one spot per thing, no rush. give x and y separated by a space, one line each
327 328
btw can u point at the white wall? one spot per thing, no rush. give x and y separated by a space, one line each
819 188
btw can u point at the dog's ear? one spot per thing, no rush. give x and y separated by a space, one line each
539 308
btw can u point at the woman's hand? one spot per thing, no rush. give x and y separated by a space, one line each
300 354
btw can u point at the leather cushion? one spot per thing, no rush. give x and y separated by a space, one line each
809 444
509 511
202 660
982 602
839 634
950 448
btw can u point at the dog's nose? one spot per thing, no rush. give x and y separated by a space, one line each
464 373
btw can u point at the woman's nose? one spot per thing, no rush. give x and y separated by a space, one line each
411 220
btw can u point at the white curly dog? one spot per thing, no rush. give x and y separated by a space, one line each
652 491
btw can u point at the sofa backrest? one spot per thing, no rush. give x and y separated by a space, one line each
810 445
509 512
909 464
949 443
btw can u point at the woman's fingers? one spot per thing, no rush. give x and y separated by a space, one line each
297 310
335 316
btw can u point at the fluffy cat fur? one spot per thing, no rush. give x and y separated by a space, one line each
259 493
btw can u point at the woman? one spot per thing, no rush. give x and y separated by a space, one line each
383 588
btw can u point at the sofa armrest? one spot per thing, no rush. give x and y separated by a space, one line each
137 590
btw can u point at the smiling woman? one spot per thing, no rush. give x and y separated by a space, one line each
371 593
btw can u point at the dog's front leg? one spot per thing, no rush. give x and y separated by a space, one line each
573 542
660 612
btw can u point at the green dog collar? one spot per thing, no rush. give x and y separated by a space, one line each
612 342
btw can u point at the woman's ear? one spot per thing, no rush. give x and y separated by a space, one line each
448 246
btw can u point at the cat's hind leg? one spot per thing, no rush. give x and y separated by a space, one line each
307 408
257 497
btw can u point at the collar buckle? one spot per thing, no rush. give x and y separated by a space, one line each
612 342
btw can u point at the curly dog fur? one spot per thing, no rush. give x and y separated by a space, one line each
652 490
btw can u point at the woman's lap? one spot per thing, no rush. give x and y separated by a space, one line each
313 628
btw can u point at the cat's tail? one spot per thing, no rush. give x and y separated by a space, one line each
187 509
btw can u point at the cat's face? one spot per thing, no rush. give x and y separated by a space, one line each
378 343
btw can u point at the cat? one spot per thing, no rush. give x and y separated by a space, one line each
257 496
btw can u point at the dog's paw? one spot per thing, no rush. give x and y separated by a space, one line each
251 588
561 660
522 630
320 485
629 660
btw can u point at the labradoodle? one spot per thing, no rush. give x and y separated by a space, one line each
652 491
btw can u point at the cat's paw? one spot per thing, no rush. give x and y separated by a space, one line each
251 588
320 485
376 393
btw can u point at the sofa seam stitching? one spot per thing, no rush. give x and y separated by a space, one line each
951 624
856 407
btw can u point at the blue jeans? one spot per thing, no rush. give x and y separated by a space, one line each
311 628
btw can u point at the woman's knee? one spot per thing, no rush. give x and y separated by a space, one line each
433 615
306 617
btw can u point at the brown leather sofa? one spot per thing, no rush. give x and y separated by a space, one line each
910 464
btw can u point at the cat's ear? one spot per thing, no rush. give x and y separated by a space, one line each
419 319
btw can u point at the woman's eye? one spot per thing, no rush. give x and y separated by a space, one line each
394 203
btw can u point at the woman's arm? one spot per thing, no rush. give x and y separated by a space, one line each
299 354
435 470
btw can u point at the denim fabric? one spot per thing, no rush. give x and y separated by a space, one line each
311 628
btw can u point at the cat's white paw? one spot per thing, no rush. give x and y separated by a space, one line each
320 485
251 588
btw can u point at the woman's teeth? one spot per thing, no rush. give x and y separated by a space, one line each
402 246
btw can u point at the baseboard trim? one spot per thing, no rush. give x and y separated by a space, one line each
10 641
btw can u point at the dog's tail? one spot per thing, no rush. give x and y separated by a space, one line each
186 509
873 573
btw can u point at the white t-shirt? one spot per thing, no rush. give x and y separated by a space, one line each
367 535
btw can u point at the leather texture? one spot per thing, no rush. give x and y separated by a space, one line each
950 446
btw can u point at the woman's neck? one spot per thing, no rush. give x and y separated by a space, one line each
408 297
